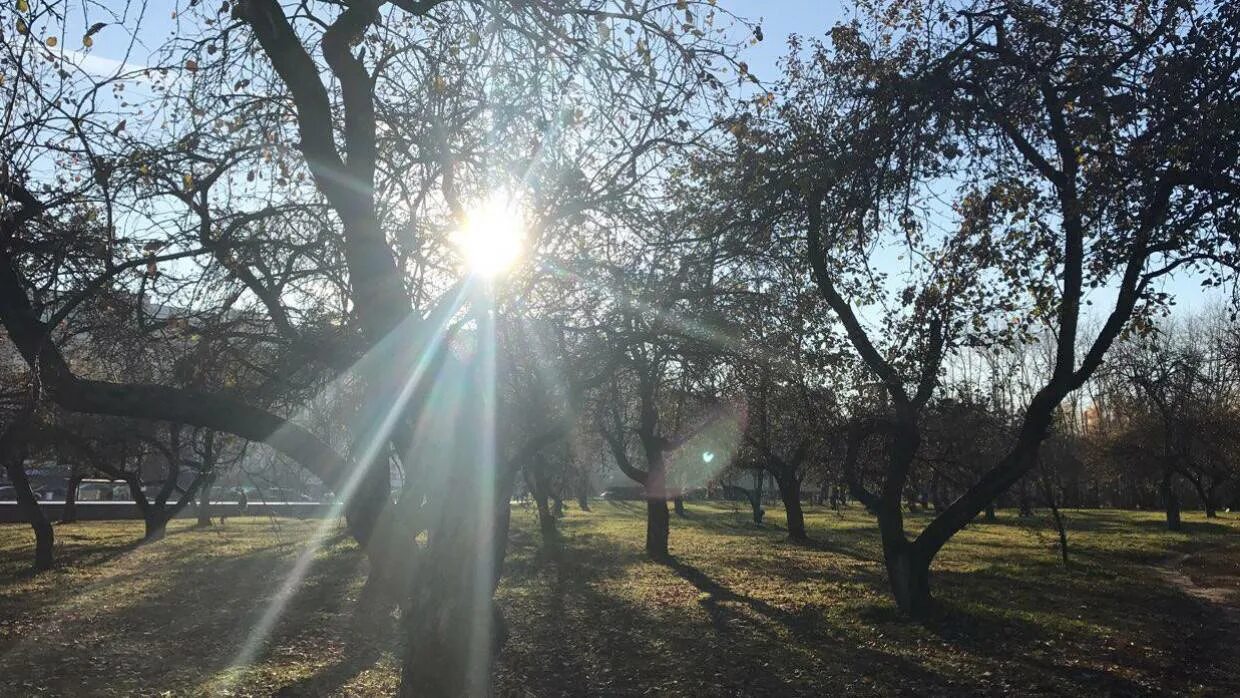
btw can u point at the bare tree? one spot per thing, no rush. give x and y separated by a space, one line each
1009 102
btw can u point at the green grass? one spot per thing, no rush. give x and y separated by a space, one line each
738 612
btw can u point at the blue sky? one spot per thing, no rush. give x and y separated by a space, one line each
779 19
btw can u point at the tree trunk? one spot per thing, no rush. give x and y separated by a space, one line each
755 499
908 573
558 512
156 520
69 513
1063 531
990 512
157 514
1171 501
453 627
1025 502
583 493
44 537
658 525
1207 502
364 509
537 484
204 502
755 505
790 493
679 505
546 521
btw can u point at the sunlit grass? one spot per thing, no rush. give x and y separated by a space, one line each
740 610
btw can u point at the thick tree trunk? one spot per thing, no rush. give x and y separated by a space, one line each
454 628
157 514
558 510
537 484
68 514
204 502
678 504
583 493
1171 501
908 573
28 505
658 526
658 523
156 522
546 521
908 564
790 493
365 508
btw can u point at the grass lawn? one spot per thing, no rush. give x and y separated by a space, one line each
1141 611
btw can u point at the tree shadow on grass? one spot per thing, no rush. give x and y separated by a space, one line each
779 631
1076 629
173 604
757 616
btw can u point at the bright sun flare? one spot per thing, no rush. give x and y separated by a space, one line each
492 236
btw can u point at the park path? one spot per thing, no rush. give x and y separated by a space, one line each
1226 598
1218 640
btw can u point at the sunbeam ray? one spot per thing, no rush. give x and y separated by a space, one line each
413 335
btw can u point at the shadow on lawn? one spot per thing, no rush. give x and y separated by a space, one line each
1011 623
183 600
723 642
79 556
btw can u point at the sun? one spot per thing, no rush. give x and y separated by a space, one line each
492 236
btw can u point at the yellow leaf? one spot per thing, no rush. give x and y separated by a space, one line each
188 180
191 65
23 6
51 41
87 41
20 26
